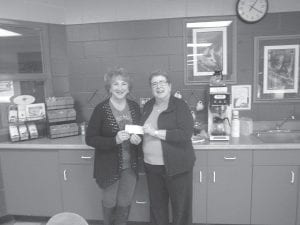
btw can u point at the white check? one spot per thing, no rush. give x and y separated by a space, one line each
134 129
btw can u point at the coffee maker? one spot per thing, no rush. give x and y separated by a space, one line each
219 113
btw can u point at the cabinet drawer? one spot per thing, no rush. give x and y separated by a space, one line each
230 157
76 156
274 157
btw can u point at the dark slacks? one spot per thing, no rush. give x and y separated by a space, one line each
177 189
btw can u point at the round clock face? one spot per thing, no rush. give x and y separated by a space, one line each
252 11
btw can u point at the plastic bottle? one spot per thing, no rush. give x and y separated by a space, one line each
235 124
82 128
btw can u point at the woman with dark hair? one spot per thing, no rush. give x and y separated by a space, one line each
116 150
168 153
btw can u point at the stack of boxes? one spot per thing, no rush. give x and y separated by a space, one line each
61 117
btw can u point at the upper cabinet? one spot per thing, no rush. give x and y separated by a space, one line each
24 51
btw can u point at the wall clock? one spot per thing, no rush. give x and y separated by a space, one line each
251 11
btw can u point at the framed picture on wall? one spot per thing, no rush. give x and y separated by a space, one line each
209 51
276 68
241 97
281 65
209 46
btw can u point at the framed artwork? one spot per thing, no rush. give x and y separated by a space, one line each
281 73
210 45
209 51
241 97
276 68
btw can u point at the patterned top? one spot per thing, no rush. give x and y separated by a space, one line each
123 117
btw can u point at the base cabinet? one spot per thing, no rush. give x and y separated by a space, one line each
140 208
31 182
82 195
200 188
223 192
229 187
80 192
275 187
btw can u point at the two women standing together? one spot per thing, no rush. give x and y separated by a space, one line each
165 148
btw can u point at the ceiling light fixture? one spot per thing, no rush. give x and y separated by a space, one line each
7 33
209 24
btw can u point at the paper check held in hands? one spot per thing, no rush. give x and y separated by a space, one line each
134 129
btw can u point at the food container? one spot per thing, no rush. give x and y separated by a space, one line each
246 124
61 115
64 130
59 102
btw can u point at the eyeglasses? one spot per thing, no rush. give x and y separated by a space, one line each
158 83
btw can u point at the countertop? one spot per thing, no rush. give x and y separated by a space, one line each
78 142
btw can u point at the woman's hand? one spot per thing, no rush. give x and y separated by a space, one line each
135 139
122 135
148 129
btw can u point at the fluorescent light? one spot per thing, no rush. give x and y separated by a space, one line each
7 33
209 24
192 55
199 45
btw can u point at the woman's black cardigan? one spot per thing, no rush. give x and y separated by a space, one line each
101 134
177 148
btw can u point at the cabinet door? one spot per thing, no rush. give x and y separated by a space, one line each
81 193
140 208
274 195
31 182
200 187
199 194
229 194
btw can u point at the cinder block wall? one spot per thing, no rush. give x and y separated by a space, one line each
143 46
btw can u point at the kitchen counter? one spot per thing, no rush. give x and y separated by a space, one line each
78 142
73 142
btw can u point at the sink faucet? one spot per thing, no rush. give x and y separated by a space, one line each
280 124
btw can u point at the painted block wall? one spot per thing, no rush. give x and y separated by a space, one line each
143 46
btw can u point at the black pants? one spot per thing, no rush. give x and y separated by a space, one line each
162 188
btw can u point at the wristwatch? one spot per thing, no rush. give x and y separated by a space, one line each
156 133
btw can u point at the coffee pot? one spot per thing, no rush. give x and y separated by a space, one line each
219 125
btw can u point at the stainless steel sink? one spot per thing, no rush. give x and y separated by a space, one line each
279 136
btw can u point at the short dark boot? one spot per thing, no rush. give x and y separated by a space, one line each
108 215
121 215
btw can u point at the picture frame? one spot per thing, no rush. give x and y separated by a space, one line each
217 36
241 97
209 46
276 68
281 78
